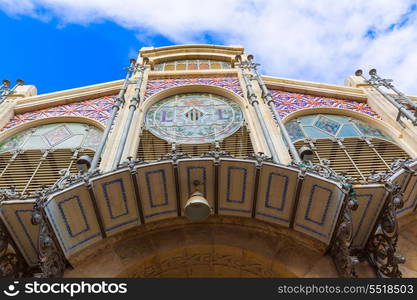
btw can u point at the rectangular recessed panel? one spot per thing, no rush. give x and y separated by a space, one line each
371 199
276 191
16 215
116 200
318 208
157 191
236 187
73 218
409 196
201 170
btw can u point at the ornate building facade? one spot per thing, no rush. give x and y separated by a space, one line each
196 165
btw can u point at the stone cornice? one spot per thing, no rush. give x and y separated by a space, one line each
177 49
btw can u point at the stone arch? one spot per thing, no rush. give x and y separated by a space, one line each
50 120
36 154
377 123
253 126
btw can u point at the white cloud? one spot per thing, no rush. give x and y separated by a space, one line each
311 40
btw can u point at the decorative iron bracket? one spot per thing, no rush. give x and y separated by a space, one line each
131 163
381 249
217 153
260 157
5 90
12 264
174 155
382 245
341 250
52 261
325 171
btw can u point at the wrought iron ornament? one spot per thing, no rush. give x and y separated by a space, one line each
341 249
6 91
52 262
382 246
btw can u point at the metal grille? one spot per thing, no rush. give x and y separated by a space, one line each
153 148
31 170
357 158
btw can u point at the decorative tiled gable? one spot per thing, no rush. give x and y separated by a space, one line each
96 109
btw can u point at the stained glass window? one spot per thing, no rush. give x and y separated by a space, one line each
192 64
37 157
327 125
369 131
351 147
331 126
194 118
54 136
294 130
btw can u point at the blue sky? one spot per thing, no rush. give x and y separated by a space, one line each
54 58
61 44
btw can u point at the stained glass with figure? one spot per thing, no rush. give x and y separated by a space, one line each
194 118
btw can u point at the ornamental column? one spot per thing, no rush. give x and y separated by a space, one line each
9 98
405 132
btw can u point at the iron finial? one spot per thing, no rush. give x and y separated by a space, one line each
6 83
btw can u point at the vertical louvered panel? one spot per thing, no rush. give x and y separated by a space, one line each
29 172
153 148
355 157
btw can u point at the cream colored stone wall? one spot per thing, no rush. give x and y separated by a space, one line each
405 136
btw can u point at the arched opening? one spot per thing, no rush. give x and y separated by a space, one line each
218 247
194 122
37 157
347 145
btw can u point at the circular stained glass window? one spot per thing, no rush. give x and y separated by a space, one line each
194 118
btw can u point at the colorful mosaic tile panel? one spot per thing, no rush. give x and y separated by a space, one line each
96 109
287 102
230 83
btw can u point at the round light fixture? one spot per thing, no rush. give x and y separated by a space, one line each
84 163
197 207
